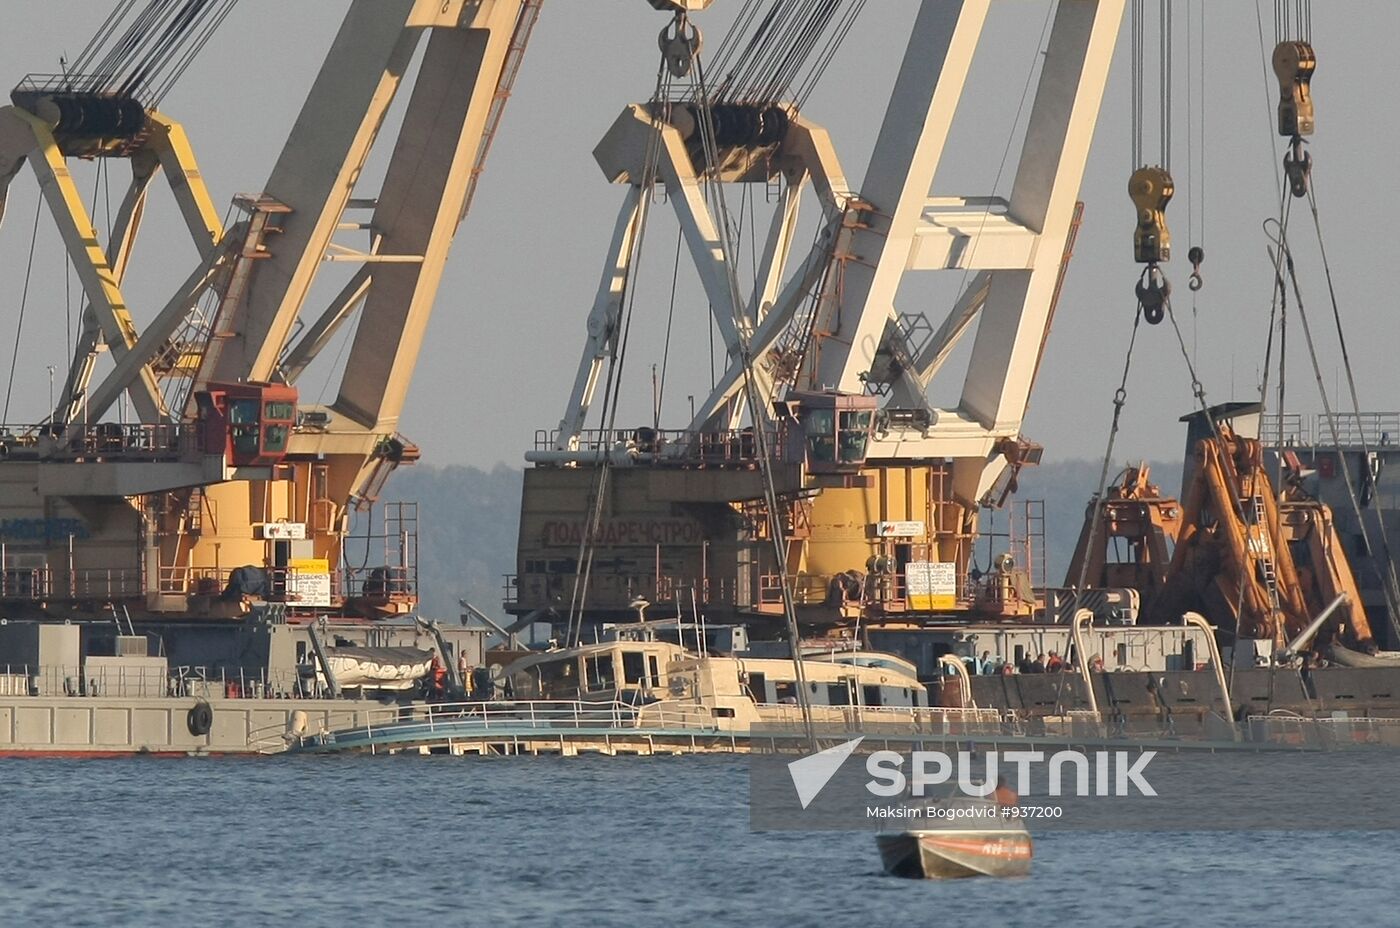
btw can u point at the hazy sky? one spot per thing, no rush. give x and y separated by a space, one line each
509 323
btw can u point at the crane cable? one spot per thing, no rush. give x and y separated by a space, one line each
743 349
146 58
1381 554
23 304
612 388
1151 187
1293 23
786 52
1120 399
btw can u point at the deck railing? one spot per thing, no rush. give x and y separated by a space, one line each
443 721
1375 429
422 723
150 682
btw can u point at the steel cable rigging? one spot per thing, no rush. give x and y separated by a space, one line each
142 53
786 51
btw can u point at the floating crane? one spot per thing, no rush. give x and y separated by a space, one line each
227 482
879 486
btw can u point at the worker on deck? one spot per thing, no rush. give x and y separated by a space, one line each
437 675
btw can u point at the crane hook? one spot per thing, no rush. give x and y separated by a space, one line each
1196 255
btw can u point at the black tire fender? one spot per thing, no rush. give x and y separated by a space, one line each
200 719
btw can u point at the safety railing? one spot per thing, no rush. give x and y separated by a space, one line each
429 722
725 447
113 679
444 722
887 719
1374 429
99 441
887 590
286 584
38 84
1299 731
43 583
618 591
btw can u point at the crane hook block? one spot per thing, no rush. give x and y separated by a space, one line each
680 43
1154 293
1294 63
1151 190
1196 255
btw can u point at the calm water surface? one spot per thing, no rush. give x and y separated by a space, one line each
589 841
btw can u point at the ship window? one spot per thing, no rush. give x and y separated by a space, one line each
555 673
838 694
871 695
243 411
275 438
758 687
854 437
785 691
655 672
724 712
245 439
599 672
820 426
634 667
279 411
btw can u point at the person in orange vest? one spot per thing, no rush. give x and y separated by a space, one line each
438 674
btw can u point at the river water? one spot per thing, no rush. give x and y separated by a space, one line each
337 841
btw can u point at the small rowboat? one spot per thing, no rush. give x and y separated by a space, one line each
948 853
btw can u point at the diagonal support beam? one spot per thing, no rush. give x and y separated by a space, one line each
158 332
327 324
603 320
100 283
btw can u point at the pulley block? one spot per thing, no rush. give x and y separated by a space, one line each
1151 189
1294 64
680 43
1153 292
1297 167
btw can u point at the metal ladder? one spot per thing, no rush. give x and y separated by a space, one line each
117 620
1262 549
515 54
788 356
